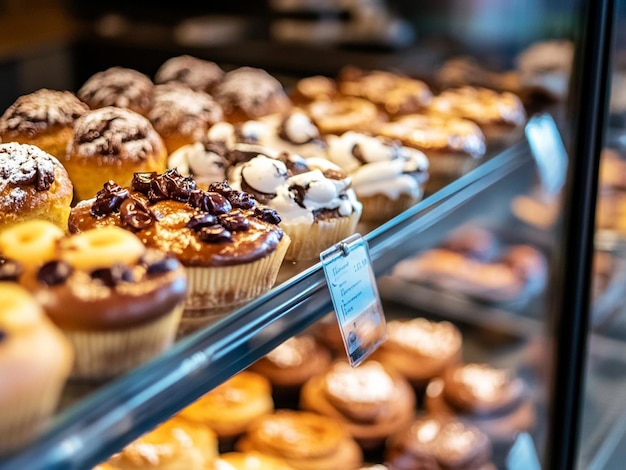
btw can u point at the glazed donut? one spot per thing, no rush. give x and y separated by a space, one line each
107 246
343 115
31 243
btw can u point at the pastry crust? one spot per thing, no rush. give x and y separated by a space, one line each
250 461
112 144
306 441
33 185
44 118
343 114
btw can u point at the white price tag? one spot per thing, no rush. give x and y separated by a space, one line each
353 290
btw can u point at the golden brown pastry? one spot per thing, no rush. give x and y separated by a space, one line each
420 349
343 114
494 400
436 442
249 93
453 146
369 401
229 408
250 461
33 185
195 73
306 441
231 246
177 444
182 116
501 116
44 118
35 360
112 143
314 88
291 364
117 302
395 94
121 87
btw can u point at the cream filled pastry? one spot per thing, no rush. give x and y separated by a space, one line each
439 443
317 207
204 160
494 400
420 349
369 401
387 177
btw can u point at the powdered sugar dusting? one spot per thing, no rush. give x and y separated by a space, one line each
41 108
197 74
247 88
24 165
184 108
110 131
117 86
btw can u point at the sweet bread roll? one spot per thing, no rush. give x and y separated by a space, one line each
250 461
197 74
121 87
35 360
494 400
344 114
33 185
112 144
306 441
182 116
177 444
249 93
44 118
439 442
369 401
230 408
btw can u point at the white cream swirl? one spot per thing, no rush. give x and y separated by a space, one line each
206 166
378 165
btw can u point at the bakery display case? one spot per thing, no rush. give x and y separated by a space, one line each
521 217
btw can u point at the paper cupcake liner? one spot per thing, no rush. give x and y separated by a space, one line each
308 241
380 207
101 355
24 414
221 289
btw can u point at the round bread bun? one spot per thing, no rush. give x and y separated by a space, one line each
33 185
197 74
44 118
112 144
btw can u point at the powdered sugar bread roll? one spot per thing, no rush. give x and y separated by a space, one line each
44 118
112 144
33 185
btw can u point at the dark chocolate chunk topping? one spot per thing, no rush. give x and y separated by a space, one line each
217 204
241 200
267 215
135 213
10 270
295 165
235 222
54 273
142 182
109 199
298 192
215 234
3 335
222 187
113 275
165 265
201 220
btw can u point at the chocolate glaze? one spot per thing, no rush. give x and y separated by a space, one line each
201 228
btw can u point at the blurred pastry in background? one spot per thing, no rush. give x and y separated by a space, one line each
195 73
250 461
494 400
343 114
314 88
121 87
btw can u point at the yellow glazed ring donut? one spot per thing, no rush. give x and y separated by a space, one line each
31 243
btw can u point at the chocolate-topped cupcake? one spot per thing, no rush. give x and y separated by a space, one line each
230 245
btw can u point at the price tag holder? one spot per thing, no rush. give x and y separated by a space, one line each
352 285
